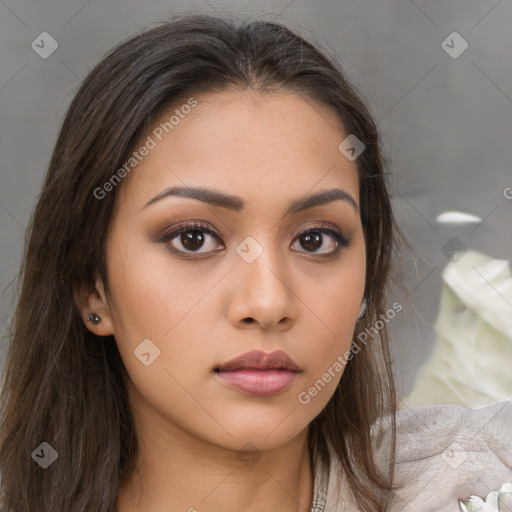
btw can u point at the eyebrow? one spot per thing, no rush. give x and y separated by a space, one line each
235 203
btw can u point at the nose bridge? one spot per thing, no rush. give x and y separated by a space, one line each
265 292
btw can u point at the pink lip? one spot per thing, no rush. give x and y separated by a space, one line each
256 359
259 373
259 382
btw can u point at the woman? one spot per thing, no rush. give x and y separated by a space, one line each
202 316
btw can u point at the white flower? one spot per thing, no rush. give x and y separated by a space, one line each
496 501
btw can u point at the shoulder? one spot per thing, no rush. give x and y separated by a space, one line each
447 452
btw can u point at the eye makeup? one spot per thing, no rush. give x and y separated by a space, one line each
198 229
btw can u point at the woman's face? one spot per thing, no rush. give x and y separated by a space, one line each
180 306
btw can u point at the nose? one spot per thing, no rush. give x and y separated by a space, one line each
263 295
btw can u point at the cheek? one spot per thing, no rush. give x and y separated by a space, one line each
327 354
160 329
337 316
150 294
170 305
334 305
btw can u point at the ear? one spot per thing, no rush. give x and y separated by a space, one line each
90 300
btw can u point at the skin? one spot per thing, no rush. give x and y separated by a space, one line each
192 428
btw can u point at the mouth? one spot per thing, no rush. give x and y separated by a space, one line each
260 374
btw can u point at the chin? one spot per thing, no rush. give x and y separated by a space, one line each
266 431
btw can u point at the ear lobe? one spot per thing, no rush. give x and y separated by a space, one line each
92 300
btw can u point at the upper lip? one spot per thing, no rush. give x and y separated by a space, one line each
258 360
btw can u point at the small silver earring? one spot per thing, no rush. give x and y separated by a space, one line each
94 318
362 310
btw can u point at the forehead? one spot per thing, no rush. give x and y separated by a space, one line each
267 147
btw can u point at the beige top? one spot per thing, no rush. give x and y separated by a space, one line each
444 452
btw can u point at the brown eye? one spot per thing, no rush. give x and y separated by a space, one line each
190 238
322 241
312 241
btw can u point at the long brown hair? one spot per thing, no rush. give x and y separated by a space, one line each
65 386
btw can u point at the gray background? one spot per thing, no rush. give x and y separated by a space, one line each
446 122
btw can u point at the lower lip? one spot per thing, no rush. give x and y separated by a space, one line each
259 382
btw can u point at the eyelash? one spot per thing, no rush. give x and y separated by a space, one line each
182 227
